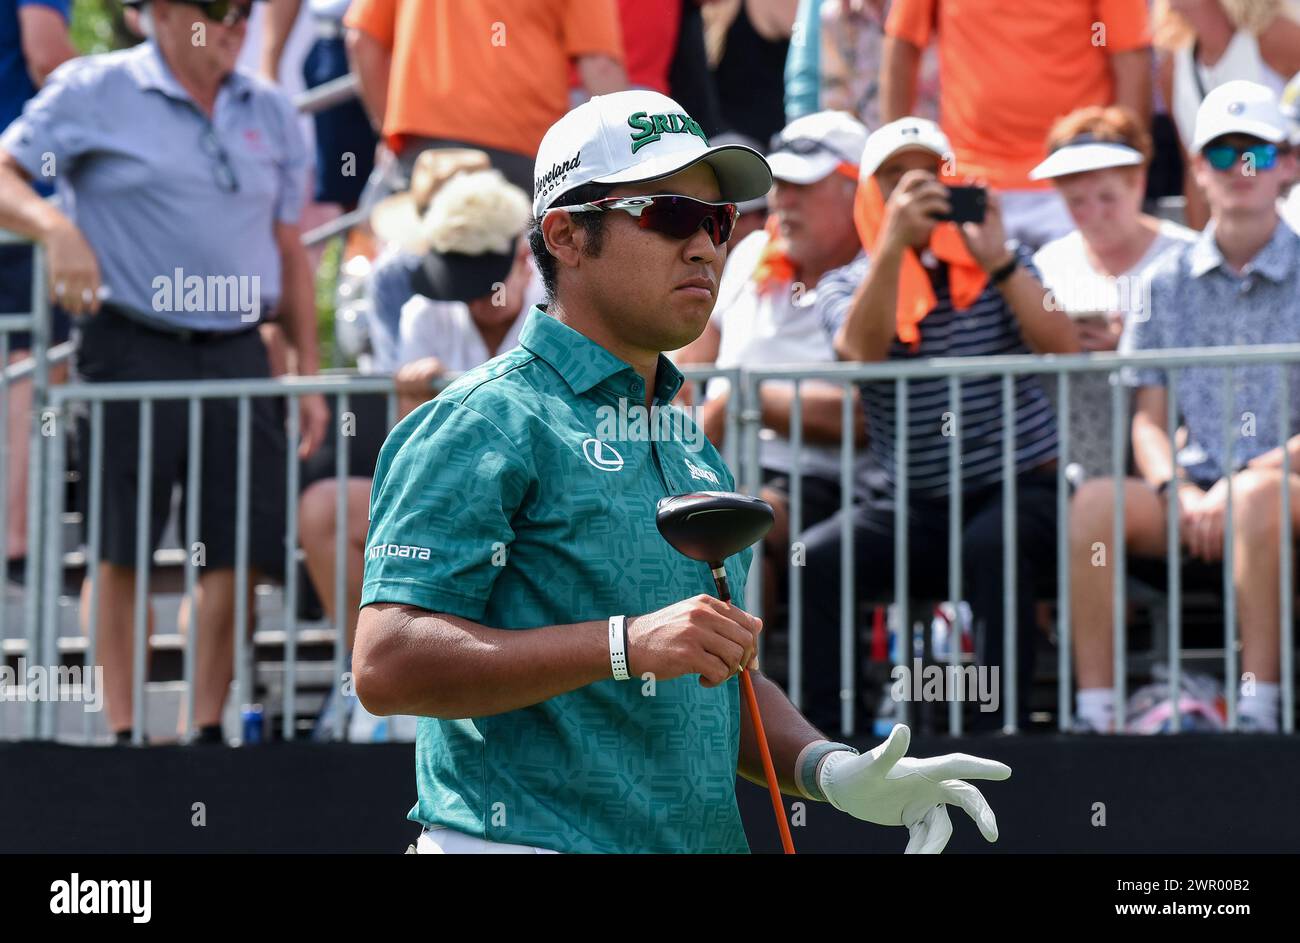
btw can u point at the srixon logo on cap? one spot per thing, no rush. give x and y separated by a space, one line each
649 128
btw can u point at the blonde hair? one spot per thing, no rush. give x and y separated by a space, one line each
475 212
1170 29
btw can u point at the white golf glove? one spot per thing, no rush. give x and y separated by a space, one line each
888 788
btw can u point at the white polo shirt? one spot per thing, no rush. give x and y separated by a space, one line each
444 329
780 326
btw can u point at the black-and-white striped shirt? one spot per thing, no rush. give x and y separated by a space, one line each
987 328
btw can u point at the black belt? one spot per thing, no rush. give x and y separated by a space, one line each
183 334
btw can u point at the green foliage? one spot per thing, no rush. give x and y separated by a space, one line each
98 26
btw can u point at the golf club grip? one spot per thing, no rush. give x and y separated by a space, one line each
769 771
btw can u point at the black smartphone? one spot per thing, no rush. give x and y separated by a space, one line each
968 204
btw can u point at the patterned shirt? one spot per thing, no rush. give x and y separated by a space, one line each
514 500
1198 301
987 328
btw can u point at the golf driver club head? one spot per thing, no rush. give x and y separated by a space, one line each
712 525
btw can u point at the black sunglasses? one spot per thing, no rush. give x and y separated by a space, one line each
801 146
225 12
679 217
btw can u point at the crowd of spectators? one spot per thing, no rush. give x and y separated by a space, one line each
1085 124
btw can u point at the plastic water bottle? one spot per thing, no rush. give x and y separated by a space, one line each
251 722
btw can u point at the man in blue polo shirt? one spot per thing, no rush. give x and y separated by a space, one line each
187 179
575 680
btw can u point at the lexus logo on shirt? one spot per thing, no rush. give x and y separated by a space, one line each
601 455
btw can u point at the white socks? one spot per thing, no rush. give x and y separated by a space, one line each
1261 706
1096 706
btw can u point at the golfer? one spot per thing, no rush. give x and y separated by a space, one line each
575 679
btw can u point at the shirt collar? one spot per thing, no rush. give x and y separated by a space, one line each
1275 261
152 73
584 364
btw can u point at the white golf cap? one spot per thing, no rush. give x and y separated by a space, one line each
635 136
1083 153
902 135
1239 107
811 147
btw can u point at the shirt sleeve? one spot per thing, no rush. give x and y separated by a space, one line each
1127 24
376 18
834 292
418 331
913 20
591 27
446 488
292 165
56 125
388 288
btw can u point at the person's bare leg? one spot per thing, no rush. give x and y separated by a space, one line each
17 454
358 530
1257 515
214 649
20 410
317 517
115 638
1092 572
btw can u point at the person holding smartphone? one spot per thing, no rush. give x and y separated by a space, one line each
936 281
1099 274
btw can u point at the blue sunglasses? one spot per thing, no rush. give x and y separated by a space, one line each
1225 156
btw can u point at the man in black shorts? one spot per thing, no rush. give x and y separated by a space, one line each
188 179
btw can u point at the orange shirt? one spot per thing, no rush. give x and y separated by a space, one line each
1009 68
488 72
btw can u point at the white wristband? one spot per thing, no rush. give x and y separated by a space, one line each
618 647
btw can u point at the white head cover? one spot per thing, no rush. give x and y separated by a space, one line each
811 147
901 135
1239 107
1084 153
635 136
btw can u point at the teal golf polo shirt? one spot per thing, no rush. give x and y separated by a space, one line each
524 496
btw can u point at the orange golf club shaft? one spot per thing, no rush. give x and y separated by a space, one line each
769 771
747 686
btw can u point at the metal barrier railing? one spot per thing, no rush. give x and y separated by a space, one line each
36 322
195 393
1008 368
741 450
95 396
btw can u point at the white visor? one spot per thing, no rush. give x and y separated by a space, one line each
1081 158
